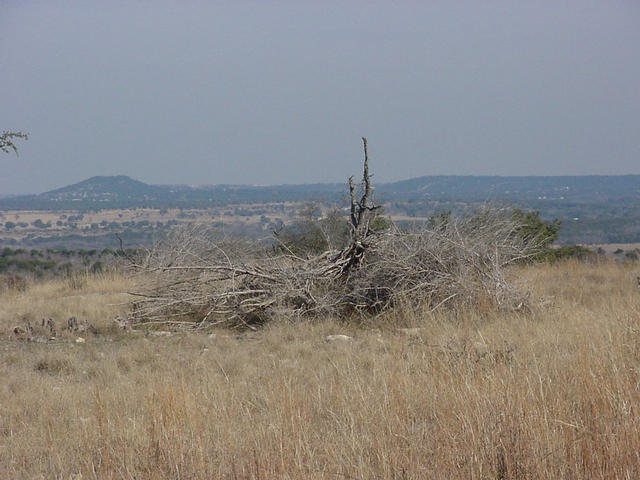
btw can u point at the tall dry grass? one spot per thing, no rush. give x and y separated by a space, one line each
97 298
554 393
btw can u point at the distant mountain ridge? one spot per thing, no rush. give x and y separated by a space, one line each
583 188
102 188
121 191
124 192
592 209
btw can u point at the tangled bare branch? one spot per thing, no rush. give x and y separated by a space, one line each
196 278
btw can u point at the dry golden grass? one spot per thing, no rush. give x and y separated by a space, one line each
96 298
283 210
554 393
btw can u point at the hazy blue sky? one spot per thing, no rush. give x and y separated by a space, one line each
279 92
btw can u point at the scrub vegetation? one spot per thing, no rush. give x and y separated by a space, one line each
467 348
467 392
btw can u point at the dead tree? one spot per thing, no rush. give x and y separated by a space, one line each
195 279
362 212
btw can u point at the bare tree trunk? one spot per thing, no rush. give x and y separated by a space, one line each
362 212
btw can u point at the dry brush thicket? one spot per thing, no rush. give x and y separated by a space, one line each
195 278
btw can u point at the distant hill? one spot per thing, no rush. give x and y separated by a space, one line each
103 189
587 188
124 192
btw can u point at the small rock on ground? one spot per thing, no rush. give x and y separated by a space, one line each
338 338
160 333
411 332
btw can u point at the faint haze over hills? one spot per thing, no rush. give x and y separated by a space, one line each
229 92
592 209
531 192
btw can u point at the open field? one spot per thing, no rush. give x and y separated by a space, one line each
82 220
99 229
553 393
69 220
225 214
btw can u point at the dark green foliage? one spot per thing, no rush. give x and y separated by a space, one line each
65 269
97 267
534 228
531 229
51 262
566 252
303 237
379 223
32 266
545 232
40 224
336 229
54 366
312 233
439 220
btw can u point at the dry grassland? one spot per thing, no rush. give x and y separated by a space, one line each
285 211
224 214
554 393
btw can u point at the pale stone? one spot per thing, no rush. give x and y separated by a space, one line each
338 338
411 332
160 333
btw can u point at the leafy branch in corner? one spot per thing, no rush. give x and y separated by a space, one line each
6 141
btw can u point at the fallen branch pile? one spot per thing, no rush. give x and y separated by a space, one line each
198 279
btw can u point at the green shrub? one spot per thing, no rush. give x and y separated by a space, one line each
577 252
303 237
534 228
97 267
